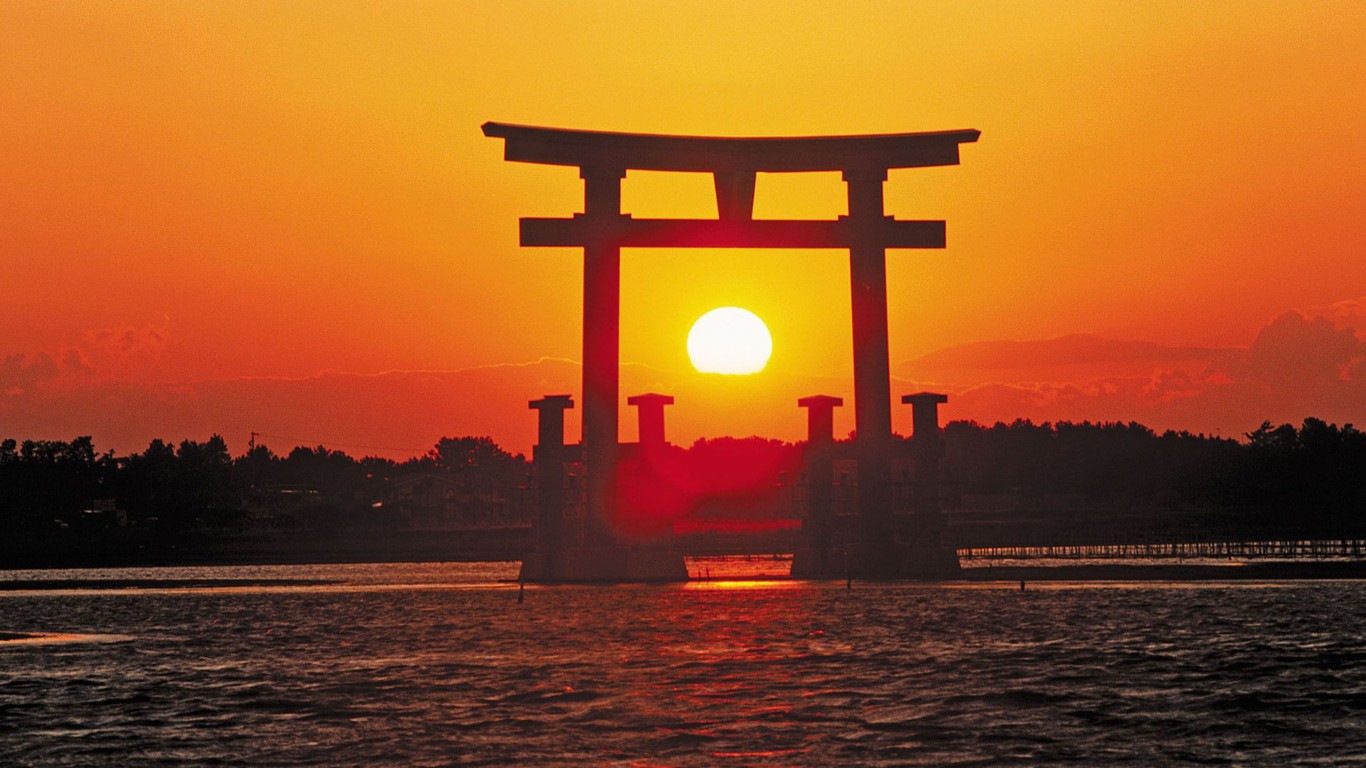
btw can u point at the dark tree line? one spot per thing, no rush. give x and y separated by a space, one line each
58 485
1313 476
1102 461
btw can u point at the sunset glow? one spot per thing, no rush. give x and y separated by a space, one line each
729 340
763 383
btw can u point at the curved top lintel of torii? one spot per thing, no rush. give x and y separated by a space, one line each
875 153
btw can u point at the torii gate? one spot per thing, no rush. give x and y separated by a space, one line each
602 230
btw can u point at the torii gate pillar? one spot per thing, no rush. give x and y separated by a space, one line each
872 374
601 345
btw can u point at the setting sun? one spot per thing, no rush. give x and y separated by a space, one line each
729 340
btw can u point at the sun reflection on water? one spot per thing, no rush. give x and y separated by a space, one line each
737 584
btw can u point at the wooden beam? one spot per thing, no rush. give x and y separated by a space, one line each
652 152
627 232
734 195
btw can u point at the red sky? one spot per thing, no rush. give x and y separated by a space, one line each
283 218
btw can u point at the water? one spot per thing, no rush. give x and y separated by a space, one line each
433 665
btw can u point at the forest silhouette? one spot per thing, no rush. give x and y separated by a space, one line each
1002 484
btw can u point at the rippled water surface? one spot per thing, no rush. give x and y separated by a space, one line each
399 665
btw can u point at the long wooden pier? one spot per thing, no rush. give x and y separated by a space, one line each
1278 549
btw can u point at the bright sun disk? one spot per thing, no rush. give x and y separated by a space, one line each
729 340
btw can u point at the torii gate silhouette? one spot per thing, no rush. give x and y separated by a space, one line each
602 230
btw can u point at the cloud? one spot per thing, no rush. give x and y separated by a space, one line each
20 372
74 359
1075 349
396 413
1300 364
1170 385
403 413
1070 357
1310 363
72 364
126 339
1343 314
1096 400
1295 351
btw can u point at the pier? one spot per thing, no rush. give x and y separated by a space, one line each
1281 549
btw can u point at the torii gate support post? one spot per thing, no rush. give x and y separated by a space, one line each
929 553
548 456
926 449
815 561
650 419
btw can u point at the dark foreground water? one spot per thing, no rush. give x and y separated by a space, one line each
417 665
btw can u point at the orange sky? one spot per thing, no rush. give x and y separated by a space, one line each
283 217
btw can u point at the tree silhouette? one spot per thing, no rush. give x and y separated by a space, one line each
478 464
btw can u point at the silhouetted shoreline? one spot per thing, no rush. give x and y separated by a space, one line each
211 548
14 585
1011 574
1010 485
141 549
